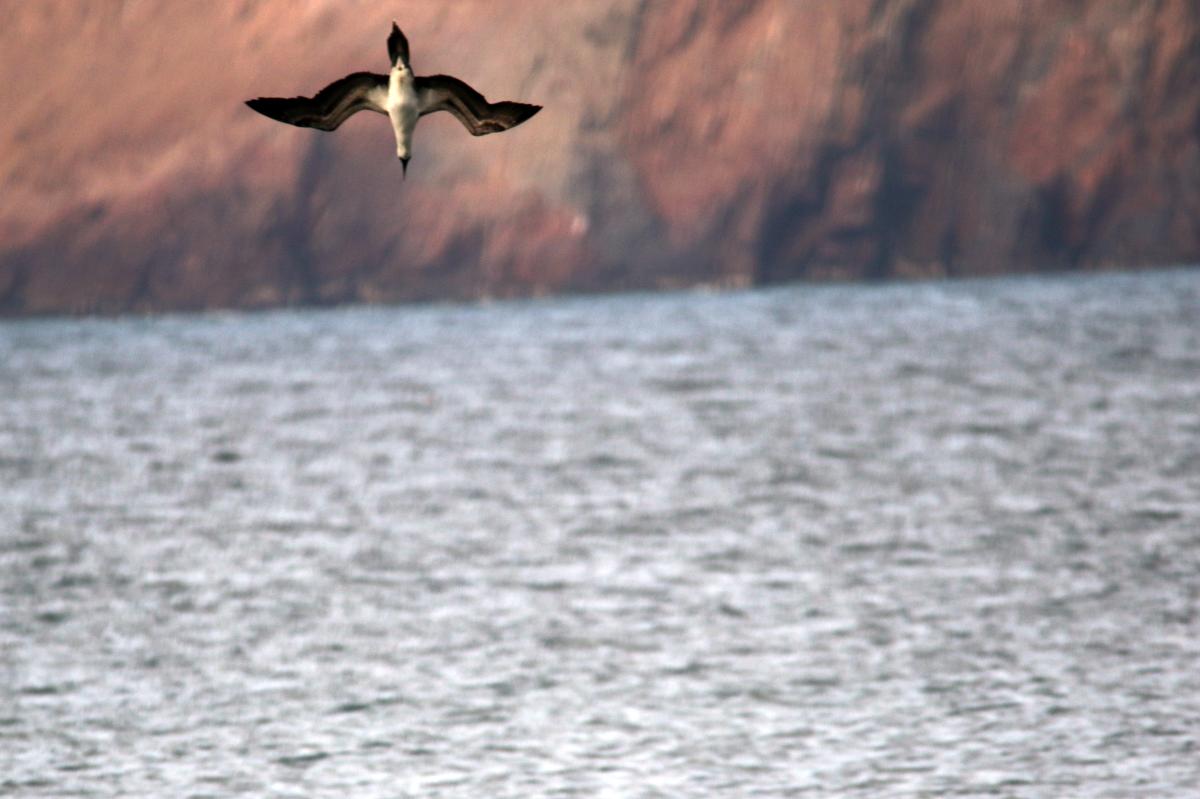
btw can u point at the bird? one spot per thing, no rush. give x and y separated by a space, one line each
400 94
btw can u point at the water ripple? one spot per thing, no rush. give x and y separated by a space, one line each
925 540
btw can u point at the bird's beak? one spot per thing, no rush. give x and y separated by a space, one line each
404 163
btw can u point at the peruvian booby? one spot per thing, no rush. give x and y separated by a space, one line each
403 96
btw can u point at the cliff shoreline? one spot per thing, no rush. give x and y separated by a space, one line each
685 143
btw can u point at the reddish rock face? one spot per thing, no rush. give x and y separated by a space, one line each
683 142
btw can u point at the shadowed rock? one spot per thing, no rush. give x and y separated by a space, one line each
686 142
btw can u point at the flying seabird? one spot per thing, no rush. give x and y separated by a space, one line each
404 97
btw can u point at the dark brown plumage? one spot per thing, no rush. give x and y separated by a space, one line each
445 93
404 97
330 107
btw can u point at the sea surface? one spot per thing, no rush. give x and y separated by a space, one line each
923 540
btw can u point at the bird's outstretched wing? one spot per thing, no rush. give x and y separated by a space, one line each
333 105
398 46
444 93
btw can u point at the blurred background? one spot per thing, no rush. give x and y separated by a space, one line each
935 538
690 142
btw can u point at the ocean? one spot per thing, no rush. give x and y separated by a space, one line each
902 540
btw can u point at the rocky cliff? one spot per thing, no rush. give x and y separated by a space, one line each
683 142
